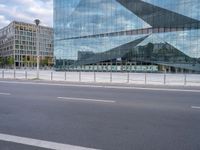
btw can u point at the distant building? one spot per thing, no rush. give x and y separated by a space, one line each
85 54
125 34
18 45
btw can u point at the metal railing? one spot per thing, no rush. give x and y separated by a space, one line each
105 77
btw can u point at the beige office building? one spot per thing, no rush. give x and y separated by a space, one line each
18 44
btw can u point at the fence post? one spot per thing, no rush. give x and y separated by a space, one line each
3 74
165 78
145 75
145 78
128 77
65 75
14 74
111 77
26 75
94 77
51 76
79 76
185 79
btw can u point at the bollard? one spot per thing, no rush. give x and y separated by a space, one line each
164 78
80 76
65 75
128 77
3 74
94 77
145 80
26 75
14 74
110 77
51 76
185 79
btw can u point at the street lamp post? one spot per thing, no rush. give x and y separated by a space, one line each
37 22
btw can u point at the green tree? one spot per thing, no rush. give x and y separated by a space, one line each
25 61
10 61
1 61
50 61
46 61
33 61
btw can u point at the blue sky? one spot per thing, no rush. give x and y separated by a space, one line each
26 10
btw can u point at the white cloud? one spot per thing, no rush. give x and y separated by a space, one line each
26 11
3 21
2 6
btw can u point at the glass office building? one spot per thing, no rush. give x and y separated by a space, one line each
127 35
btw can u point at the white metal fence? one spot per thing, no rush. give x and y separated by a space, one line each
105 77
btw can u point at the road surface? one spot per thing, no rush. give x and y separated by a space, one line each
39 116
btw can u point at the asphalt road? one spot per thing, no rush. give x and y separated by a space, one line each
99 117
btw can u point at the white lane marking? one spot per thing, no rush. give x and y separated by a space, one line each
5 94
195 107
86 99
40 143
102 86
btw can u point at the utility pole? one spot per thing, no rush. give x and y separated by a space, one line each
37 22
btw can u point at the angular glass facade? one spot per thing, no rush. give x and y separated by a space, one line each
127 35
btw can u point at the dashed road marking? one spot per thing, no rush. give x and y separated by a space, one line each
5 94
195 107
85 99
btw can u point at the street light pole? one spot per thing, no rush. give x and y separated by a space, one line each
37 22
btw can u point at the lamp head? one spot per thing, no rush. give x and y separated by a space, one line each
37 22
